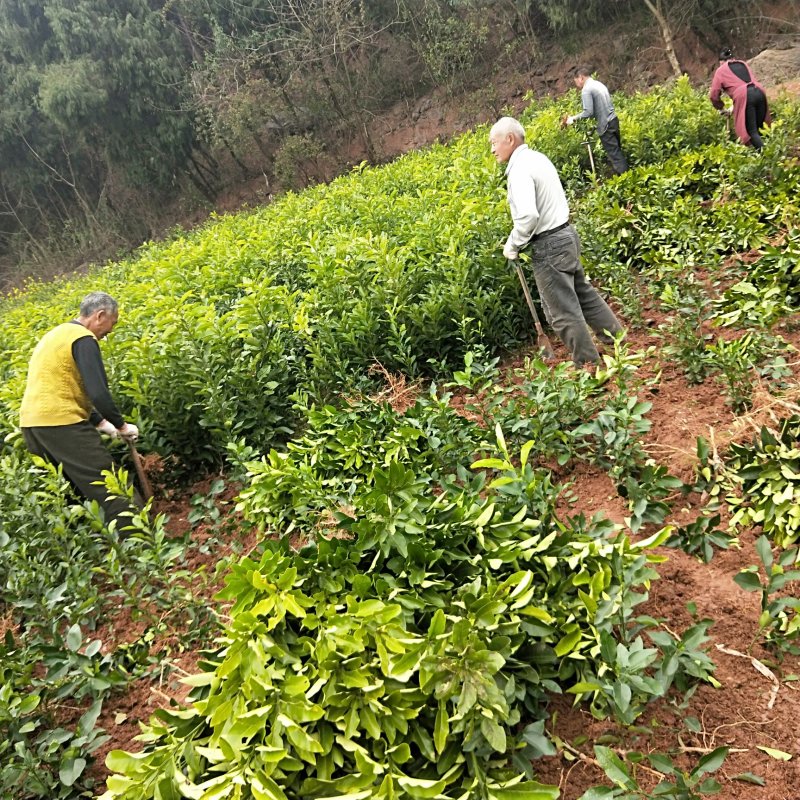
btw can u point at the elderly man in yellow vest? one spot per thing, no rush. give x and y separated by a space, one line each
67 403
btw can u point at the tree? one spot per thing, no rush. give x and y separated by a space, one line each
672 18
90 91
307 60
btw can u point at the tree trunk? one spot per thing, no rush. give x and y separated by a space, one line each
229 147
199 179
666 33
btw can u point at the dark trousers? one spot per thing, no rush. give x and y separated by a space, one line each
612 144
755 113
82 455
569 301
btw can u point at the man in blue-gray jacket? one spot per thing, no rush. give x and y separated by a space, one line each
597 103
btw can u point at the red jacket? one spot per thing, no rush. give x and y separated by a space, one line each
725 80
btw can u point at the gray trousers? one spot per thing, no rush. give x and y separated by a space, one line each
569 301
82 455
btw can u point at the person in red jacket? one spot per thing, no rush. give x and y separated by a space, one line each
750 110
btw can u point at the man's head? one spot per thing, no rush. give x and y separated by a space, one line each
506 135
580 75
98 313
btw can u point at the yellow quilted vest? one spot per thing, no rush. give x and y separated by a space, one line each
54 393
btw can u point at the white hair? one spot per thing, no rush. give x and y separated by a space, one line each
506 125
97 301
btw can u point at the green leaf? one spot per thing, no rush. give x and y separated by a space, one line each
167 790
662 763
29 704
89 718
438 624
749 777
494 734
265 788
527 790
656 539
614 767
486 516
70 770
74 638
567 643
489 463
441 728
501 440
748 580
525 452
251 722
764 550
122 762
599 793
711 762
420 787
583 687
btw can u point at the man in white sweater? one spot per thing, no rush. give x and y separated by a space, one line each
540 215
597 103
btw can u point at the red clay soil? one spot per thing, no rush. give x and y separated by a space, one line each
745 712
123 713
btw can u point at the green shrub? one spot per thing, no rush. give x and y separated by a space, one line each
402 653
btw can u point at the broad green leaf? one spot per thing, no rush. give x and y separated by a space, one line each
764 550
525 451
28 704
121 761
494 734
74 638
613 766
599 793
657 539
420 787
501 441
265 788
567 643
711 762
584 686
250 723
489 463
749 581
749 777
662 763
89 718
441 728
438 624
527 790
70 770
485 516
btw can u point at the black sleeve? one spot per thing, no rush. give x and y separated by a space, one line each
739 69
86 353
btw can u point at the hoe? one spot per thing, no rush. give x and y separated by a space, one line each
542 342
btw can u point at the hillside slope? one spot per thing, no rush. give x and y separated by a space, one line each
459 584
